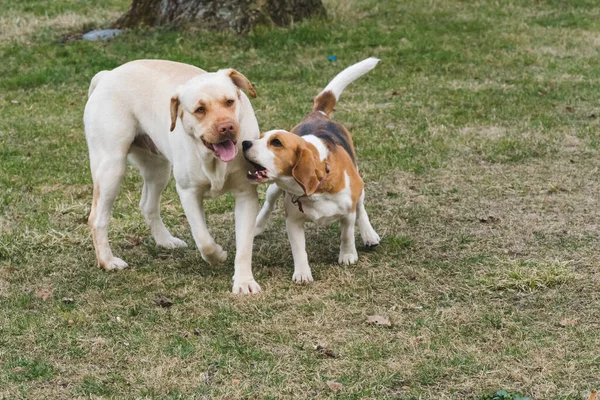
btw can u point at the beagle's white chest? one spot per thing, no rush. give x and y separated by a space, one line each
322 209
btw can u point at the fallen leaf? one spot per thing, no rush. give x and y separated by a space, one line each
163 301
335 386
569 109
15 101
325 351
67 300
395 93
197 332
235 381
71 322
405 388
489 219
43 294
378 320
592 116
135 240
568 322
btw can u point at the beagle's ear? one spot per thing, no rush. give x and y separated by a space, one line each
175 111
305 172
241 81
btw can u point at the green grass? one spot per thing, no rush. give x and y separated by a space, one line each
477 136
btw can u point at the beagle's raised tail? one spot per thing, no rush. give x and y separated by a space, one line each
325 101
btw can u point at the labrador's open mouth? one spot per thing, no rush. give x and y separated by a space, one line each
225 150
260 175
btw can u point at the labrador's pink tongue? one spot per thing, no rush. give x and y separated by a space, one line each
225 150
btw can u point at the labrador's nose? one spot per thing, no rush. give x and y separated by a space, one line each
246 144
225 128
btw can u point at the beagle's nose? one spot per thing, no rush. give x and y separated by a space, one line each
225 128
246 144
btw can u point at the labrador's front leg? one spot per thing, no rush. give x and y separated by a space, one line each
246 209
194 211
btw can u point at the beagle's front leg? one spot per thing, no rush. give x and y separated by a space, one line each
246 209
294 225
273 193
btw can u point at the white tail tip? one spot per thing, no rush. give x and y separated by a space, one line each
349 75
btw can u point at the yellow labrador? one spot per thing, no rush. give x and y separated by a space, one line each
164 115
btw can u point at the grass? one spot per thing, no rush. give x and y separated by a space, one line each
477 136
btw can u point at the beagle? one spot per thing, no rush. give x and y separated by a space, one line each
314 166
164 116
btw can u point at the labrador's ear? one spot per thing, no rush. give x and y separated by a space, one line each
305 171
241 81
175 111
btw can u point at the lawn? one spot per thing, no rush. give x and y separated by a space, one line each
477 135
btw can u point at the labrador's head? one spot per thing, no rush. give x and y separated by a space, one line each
208 108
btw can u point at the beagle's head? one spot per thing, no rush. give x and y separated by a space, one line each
286 159
208 108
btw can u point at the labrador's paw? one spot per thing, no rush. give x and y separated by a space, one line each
348 258
114 264
245 286
302 277
214 255
170 242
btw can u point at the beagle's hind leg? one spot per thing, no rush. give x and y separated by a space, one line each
348 254
367 233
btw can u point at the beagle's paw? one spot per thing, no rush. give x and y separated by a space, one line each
245 286
370 238
170 242
348 258
114 264
214 255
302 276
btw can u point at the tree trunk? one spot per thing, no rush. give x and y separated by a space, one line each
237 15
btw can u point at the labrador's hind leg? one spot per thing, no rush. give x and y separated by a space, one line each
156 171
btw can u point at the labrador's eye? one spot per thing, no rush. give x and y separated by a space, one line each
200 110
229 102
276 143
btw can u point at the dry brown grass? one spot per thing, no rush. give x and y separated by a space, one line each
477 139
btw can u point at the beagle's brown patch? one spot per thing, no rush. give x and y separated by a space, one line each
337 139
324 102
288 150
330 132
341 164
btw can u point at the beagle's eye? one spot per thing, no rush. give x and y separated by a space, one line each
276 143
229 102
200 110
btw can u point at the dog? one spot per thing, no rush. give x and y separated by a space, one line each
314 165
164 116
